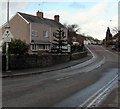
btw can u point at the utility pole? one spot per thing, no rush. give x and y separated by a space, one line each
7 27
8 12
7 36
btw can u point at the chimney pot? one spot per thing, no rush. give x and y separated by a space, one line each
39 14
56 18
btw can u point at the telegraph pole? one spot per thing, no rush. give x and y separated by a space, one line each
8 12
7 27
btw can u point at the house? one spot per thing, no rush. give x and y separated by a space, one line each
87 42
116 37
74 38
35 30
80 38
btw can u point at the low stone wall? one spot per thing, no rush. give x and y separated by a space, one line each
32 61
80 55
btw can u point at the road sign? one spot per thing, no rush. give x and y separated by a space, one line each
7 35
7 39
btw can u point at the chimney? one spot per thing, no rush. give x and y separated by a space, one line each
56 18
39 14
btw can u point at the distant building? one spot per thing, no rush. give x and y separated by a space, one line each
116 37
87 42
80 38
35 30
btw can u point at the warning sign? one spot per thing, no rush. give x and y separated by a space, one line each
7 35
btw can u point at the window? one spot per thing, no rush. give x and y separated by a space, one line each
34 47
46 47
45 33
34 33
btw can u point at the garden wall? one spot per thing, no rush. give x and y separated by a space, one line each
32 61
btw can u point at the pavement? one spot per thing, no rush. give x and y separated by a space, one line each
112 100
31 71
110 49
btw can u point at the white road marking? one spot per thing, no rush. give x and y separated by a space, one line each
83 104
63 78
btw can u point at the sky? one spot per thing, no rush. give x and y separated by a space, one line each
92 16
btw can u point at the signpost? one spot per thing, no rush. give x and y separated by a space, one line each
7 36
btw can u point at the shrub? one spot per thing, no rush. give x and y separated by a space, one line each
16 47
110 42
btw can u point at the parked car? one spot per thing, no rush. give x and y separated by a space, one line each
113 47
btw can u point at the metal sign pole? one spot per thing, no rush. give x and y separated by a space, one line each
7 66
7 57
7 36
8 12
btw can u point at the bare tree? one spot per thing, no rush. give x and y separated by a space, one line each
73 28
72 31
115 30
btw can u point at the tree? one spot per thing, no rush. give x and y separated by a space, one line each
108 35
73 28
16 47
72 32
115 30
59 40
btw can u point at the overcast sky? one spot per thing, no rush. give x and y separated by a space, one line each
92 16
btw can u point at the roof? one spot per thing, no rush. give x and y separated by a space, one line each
40 42
117 35
36 19
80 38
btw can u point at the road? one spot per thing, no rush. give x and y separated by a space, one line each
69 87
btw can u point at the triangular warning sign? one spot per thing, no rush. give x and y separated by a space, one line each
7 36
7 33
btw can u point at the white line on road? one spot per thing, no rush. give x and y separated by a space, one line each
96 65
63 78
100 95
90 98
90 52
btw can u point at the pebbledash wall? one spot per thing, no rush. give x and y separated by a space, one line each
34 61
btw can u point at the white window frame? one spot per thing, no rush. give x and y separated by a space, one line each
45 33
47 46
34 47
34 33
